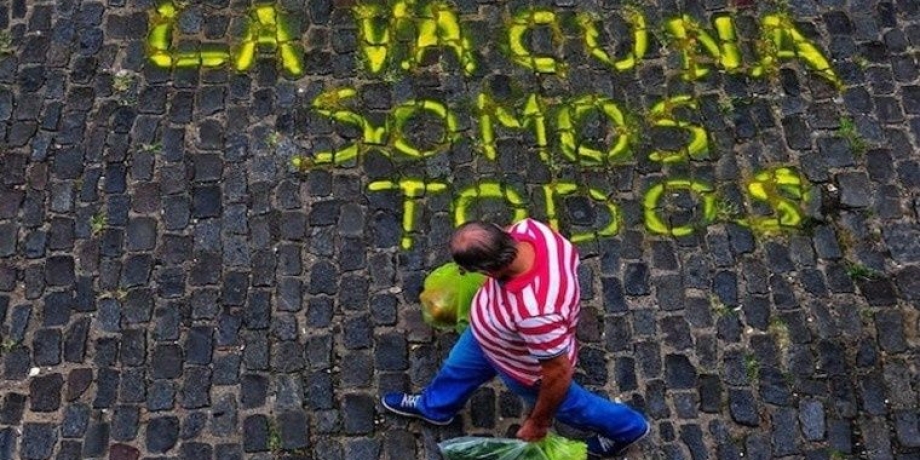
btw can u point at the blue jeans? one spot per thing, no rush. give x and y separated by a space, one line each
467 368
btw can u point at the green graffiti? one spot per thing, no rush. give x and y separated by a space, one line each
784 190
640 40
691 39
435 25
662 115
404 112
406 30
487 191
532 117
523 22
267 28
374 27
560 189
568 119
412 190
160 38
439 26
656 224
783 41
332 104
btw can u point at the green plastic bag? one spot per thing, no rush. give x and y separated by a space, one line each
552 447
447 295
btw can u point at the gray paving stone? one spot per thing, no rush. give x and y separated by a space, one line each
162 433
133 386
45 393
76 419
161 396
193 425
38 440
255 433
125 423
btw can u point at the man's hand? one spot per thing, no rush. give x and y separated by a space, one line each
554 383
530 431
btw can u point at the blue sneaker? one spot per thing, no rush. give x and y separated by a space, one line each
600 446
407 405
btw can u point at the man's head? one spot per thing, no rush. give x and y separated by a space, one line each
482 247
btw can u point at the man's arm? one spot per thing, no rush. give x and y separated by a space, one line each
556 378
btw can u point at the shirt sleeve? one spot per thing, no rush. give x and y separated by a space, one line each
547 336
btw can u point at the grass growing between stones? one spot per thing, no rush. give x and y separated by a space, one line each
274 437
727 211
780 330
857 271
151 148
752 366
847 130
6 43
7 346
719 309
97 223
124 85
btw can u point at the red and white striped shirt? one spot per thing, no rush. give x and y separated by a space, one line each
531 317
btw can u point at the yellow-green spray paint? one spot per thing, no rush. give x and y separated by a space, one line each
568 122
656 223
783 41
784 190
532 117
413 190
391 136
781 188
690 39
559 189
398 34
640 40
267 28
662 115
523 22
578 152
435 24
424 25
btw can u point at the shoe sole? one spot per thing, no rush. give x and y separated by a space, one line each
409 414
622 452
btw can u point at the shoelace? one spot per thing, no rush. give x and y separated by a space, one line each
410 401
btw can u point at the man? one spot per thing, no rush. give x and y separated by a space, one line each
522 329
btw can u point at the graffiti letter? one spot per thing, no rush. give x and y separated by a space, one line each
532 117
404 112
662 114
374 33
640 39
555 190
412 190
782 40
658 225
159 43
331 105
785 191
574 112
692 39
483 191
520 24
439 26
267 27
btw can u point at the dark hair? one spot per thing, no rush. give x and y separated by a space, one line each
480 246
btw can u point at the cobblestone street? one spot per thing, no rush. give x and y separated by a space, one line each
216 217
